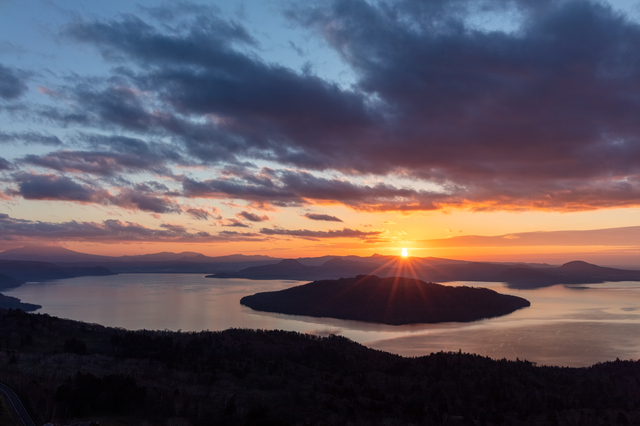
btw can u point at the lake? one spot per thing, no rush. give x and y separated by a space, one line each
564 326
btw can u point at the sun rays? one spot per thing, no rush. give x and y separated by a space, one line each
398 267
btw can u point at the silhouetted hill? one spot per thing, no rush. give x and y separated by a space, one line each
192 257
50 254
576 272
523 277
428 269
7 281
287 268
607 274
32 271
56 254
88 271
291 269
470 271
393 300
158 257
164 262
24 271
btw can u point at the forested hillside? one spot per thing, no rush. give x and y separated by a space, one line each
66 370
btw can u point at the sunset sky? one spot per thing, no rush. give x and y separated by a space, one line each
488 130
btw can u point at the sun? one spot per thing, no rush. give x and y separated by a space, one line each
404 252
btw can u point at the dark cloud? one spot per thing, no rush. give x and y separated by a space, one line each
203 214
318 235
289 188
98 163
235 223
252 217
12 83
117 105
112 156
66 116
53 187
116 108
541 116
29 138
135 147
5 165
63 188
241 236
504 112
108 231
264 190
195 38
324 217
199 214
151 187
361 197
139 200
264 110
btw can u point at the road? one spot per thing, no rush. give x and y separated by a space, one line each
15 402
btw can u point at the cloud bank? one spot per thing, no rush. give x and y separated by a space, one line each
539 117
537 112
614 237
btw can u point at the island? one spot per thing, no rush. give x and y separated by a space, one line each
391 300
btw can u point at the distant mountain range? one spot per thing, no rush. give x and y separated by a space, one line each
13 273
49 254
63 263
164 262
62 255
441 270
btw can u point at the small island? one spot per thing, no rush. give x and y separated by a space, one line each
392 301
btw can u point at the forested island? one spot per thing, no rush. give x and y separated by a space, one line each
68 371
392 300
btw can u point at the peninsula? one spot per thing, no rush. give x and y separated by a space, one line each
392 301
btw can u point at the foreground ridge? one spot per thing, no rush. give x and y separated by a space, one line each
72 371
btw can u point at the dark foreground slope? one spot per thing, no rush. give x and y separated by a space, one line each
393 301
70 371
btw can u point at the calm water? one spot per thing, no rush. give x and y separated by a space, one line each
563 326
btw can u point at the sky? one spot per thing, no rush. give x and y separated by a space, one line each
481 130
